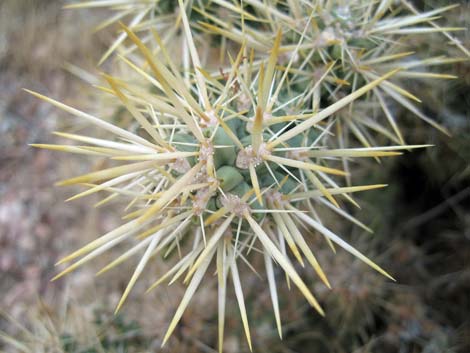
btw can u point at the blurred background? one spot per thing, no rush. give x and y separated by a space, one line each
421 223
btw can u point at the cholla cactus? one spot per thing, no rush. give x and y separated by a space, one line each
347 44
224 168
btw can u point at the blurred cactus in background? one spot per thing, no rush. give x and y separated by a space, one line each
235 134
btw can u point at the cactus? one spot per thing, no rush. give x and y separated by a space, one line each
230 165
